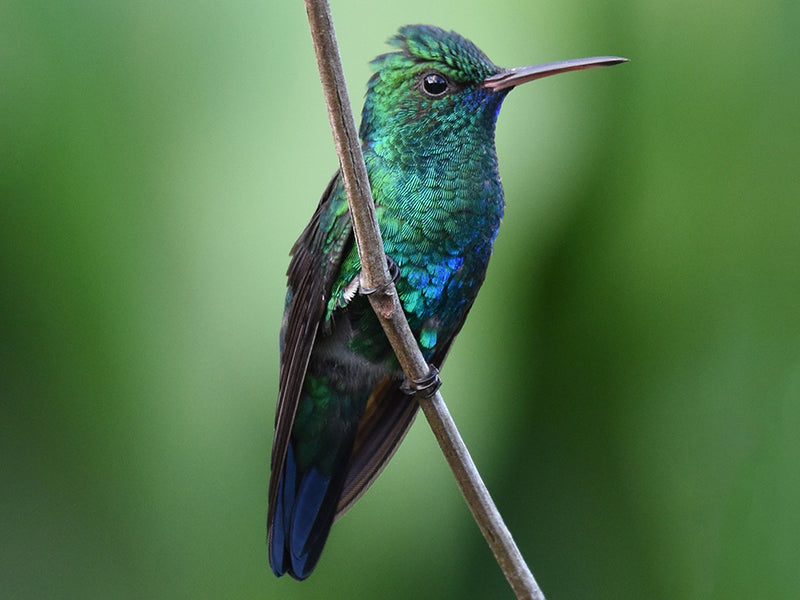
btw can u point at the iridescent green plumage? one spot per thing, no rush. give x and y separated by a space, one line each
428 139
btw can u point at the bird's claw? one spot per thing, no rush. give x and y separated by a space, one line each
426 387
394 273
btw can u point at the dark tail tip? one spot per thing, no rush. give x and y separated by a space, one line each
304 511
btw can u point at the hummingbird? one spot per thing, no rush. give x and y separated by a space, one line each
427 135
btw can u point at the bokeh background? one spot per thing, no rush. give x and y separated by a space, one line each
628 381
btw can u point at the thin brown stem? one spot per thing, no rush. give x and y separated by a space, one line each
375 274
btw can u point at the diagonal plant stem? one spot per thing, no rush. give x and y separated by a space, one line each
386 304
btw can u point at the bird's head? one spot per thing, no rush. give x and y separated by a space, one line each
439 90
428 90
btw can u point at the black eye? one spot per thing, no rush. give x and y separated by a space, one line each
434 84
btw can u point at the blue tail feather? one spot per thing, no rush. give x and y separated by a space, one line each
282 517
305 507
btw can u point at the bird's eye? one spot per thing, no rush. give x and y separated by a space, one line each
434 85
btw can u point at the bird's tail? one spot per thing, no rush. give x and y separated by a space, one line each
321 478
304 511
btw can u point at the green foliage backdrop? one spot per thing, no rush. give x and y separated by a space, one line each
628 381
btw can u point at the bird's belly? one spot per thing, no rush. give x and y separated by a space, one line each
437 294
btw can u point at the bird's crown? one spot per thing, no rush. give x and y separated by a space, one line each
419 44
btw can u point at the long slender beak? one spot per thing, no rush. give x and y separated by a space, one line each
509 78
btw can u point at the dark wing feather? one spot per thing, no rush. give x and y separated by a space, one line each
310 280
387 418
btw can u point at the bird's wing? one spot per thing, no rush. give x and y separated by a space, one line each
316 257
387 418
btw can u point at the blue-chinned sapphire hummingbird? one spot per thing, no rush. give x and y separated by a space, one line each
427 133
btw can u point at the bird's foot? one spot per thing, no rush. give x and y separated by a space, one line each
426 387
394 273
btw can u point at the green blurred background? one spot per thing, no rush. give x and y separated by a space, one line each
628 381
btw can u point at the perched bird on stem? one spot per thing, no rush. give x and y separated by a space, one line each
427 134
